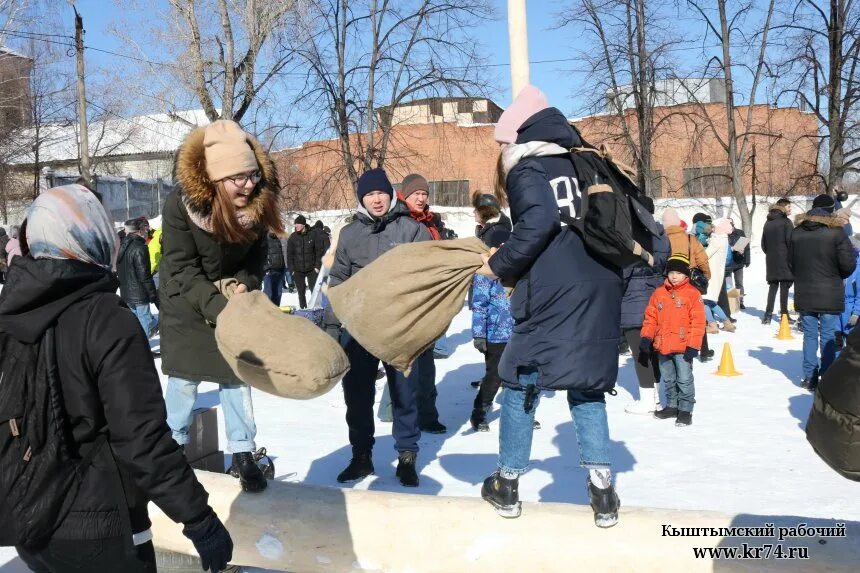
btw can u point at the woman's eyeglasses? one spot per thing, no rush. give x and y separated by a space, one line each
242 180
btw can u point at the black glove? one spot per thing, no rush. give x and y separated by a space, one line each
211 540
480 344
690 353
645 351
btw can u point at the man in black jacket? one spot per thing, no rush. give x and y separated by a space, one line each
821 257
273 281
136 286
304 253
381 223
4 238
775 242
740 260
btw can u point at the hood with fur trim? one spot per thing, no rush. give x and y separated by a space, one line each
198 191
810 220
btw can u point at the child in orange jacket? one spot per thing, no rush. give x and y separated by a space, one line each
675 324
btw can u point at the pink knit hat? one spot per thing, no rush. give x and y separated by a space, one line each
671 218
723 227
530 101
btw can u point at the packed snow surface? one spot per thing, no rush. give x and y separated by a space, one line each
746 451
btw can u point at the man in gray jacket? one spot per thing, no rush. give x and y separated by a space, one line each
381 223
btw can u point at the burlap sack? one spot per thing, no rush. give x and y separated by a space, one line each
400 304
275 352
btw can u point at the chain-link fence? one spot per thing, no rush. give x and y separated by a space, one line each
125 198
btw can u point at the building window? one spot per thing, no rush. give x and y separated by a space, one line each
707 181
466 106
449 193
435 106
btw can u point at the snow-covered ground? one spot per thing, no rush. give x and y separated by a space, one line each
746 451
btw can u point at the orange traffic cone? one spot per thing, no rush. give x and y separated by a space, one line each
784 329
727 363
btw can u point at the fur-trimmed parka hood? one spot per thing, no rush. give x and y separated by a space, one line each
778 209
810 221
198 191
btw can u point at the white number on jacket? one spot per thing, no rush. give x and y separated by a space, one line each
567 195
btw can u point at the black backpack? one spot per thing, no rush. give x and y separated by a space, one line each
615 225
40 469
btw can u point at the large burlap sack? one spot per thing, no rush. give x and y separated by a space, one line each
401 303
275 352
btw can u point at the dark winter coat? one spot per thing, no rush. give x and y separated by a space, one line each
493 234
109 384
274 254
775 242
366 239
641 281
305 251
738 260
319 230
136 285
192 261
820 257
566 304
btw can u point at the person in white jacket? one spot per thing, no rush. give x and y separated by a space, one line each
717 250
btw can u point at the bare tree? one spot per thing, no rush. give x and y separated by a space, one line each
735 135
358 53
820 69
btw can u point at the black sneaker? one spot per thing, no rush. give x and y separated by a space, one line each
605 504
666 413
479 420
359 467
767 318
251 476
503 494
535 425
810 383
406 469
475 383
706 356
742 306
433 428
684 418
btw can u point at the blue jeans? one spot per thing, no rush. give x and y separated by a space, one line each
712 310
677 375
515 435
288 280
144 316
273 286
235 404
818 329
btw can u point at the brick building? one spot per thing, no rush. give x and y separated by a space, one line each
448 143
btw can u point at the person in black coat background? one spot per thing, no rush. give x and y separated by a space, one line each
304 257
775 244
740 261
566 305
820 257
273 281
4 239
109 386
136 285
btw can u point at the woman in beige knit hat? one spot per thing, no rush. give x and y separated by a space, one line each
214 228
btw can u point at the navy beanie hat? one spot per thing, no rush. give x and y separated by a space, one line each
374 180
825 202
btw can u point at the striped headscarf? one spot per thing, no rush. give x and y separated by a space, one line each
68 222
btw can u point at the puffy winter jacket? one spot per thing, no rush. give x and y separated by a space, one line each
304 251
675 318
322 238
491 311
775 244
641 281
566 304
109 384
135 277
738 260
821 257
688 245
274 254
852 296
154 247
496 231
718 246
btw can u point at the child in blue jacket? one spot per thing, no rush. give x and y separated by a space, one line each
851 314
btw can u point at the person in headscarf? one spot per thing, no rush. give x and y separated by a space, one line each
62 291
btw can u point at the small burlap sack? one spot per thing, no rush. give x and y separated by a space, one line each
401 303
275 352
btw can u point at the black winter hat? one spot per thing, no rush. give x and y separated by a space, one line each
487 200
318 224
678 263
702 217
374 180
300 220
825 202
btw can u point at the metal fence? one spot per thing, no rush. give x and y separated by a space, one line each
125 198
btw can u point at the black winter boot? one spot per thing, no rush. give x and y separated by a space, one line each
503 494
433 428
250 475
605 504
810 383
666 413
359 467
406 469
684 418
479 420
768 316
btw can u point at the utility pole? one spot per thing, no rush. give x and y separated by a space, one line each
518 37
84 147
